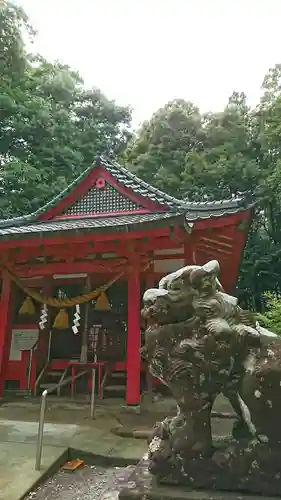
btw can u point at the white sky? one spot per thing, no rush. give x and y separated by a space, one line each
147 52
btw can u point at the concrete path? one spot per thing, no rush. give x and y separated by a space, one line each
17 474
66 427
18 449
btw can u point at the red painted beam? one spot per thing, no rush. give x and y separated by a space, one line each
102 214
231 274
75 251
94 266
230 220
73 268
224 236
175 256
84 238
212 249
40 283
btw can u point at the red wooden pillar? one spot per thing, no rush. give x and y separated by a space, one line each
133 338
5 327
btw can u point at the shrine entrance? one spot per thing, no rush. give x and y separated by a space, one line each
104 330
106 315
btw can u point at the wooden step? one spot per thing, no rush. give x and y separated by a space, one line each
17 392
114 388
55 373
48 385
118 375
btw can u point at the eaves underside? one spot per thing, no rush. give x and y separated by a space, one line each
118 224
112 224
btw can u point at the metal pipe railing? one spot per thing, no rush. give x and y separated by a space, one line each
37 381
93 394
29 367
29 370
40 434
46 365
62 379
39 444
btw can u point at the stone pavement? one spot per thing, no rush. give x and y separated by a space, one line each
17 474
69 426
88 483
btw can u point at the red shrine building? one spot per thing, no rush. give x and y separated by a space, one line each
108 229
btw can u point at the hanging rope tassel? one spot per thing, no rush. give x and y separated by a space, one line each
76 321
27 307
102 303
61 320
43 317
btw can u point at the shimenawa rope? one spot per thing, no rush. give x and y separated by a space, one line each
64 303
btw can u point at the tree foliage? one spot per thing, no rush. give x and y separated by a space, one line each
186 154
51 127
158 152
271 318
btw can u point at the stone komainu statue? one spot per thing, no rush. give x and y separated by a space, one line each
200 343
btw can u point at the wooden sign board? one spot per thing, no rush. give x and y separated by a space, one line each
93 339
22 340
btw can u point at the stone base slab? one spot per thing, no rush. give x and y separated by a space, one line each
143 486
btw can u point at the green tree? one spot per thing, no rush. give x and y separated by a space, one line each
271 318
158 152
196 156
51 127
263 254
227 166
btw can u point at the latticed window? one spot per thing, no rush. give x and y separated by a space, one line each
101 200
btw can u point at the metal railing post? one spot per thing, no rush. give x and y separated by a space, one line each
29 369
39 441
49 346
92 406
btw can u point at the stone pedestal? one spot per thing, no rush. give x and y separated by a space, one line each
200 343
209 481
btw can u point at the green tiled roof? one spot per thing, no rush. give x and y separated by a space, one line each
193 211
116 224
